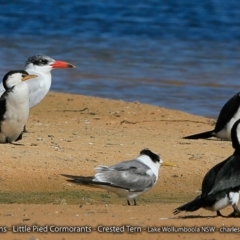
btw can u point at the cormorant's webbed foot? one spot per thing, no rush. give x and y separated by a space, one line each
19 137
219 214
236 212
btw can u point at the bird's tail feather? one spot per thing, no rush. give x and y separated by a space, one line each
190 207
90 181
202 135
78 179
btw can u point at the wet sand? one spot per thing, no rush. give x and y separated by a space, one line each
72 134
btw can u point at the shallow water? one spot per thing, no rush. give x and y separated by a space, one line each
181 55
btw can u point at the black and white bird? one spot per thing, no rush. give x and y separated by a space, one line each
229 114
41 66
127 179
14 105
221 184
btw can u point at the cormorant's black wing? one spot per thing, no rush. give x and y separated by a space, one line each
209 179
228 176
3 105
227 112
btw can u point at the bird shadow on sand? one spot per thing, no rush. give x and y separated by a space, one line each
17 144
208 139
195 216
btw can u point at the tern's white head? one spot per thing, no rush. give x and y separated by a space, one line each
43 63
152 160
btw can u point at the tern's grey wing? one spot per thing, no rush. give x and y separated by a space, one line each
131 175
139 167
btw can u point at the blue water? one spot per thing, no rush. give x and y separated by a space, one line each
182 55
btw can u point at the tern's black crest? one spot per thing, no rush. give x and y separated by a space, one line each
39 60
153 156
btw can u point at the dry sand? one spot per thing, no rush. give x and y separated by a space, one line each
72 134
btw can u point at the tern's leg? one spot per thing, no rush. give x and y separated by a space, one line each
134 202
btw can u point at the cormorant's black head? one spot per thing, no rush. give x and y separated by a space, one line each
40 60
155 158
235 135
237 95
12 78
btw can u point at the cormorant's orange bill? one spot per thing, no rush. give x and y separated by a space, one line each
26 77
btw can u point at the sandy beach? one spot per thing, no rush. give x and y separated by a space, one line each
72 134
